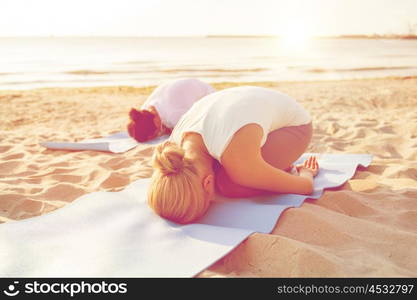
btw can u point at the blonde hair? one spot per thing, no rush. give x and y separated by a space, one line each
176 192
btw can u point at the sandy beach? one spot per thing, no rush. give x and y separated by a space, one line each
365 228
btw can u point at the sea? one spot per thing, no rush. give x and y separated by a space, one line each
27 63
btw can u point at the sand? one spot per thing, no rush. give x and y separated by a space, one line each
365 228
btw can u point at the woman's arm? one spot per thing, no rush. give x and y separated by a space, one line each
244 164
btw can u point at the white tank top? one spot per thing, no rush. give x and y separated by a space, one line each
172 99
218 116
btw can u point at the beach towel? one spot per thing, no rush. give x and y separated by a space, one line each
115 234
117 143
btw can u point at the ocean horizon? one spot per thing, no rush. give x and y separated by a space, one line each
38 62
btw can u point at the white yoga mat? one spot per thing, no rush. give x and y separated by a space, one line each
116 143
115 234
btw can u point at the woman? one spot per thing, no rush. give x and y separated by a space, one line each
164 107
240 141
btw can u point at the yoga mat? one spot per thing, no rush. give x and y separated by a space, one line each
116 143
115 234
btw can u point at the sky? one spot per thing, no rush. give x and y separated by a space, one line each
205 17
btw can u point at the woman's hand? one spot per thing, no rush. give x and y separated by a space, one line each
165 130
310 165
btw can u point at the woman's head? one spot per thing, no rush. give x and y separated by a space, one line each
179 191
142 126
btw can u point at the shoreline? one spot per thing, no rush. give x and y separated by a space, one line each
149 88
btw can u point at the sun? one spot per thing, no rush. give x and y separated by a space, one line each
295 36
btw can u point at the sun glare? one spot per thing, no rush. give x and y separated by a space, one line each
295 37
